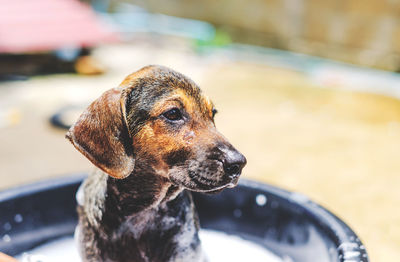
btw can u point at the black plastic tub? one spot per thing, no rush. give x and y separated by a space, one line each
289 224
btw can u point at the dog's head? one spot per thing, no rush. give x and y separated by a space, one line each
159 118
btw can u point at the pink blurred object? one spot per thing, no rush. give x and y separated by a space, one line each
28 26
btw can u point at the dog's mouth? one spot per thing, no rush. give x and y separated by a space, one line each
231 184
202 183
206 185
206 188
208 176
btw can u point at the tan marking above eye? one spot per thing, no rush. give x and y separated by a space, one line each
177 99
165 105
185 103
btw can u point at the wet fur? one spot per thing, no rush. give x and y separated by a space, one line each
135 206
167 231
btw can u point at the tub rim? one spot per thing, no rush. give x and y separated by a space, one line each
345 239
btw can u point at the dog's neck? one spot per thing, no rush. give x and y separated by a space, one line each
109 202
138 192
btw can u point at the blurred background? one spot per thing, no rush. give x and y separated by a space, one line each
307 90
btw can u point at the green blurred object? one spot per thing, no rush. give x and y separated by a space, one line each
221 39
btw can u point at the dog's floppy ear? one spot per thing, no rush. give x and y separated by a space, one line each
101 134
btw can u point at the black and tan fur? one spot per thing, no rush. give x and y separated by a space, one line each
151 139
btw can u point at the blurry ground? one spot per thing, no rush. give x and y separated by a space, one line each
339 147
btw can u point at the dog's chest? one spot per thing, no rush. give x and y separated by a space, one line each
167 232
172 226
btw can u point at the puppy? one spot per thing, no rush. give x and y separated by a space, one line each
152 139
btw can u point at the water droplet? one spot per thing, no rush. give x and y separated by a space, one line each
261 200
231 185
6 238
18 218
7 226
351 254
237 213
348 246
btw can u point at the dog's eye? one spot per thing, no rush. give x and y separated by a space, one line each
214 111
173 115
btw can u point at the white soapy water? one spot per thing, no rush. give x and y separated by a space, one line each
223 247
217 246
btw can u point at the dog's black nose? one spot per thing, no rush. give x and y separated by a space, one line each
233 164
